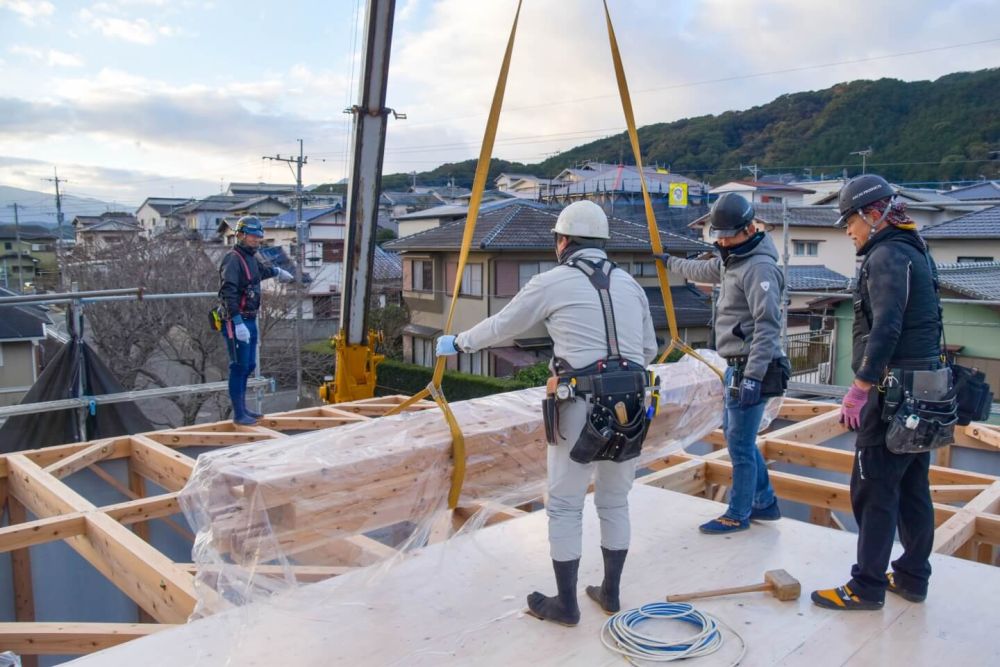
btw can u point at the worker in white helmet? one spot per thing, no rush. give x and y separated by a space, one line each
597 408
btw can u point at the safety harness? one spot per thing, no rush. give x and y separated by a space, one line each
621 395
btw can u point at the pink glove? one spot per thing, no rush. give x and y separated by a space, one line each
850 409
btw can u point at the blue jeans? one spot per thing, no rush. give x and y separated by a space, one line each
242 363
751 485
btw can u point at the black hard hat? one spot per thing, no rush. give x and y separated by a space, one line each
730 214
859 192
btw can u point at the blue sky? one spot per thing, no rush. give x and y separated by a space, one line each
136 98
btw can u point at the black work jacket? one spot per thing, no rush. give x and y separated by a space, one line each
239 285
896 306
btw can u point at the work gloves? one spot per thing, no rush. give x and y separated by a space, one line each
850 410
240 330
446 346
284 276
749 392
665 258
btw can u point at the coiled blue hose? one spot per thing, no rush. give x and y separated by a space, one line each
621 633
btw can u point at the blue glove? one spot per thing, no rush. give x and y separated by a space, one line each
749 392
284 276
446 346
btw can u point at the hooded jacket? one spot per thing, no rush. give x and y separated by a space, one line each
896 306
747 316
240 294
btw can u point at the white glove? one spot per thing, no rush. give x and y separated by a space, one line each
242 333
285 276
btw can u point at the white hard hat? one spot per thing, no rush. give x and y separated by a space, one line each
583 218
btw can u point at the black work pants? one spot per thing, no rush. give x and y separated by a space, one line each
889 491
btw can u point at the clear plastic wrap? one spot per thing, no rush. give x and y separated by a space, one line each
272 515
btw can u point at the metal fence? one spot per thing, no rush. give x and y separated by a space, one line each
810 356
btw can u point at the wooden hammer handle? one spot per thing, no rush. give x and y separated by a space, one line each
719 591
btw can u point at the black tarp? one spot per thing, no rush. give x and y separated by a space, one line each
59 381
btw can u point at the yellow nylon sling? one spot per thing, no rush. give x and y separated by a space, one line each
478 185
654 230
433 389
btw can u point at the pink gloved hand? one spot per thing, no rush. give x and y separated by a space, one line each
850 409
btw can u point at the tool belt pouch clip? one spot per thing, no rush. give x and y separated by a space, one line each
973 394
775 380
925 413
605 437
549 416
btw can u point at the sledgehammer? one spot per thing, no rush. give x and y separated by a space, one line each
778 582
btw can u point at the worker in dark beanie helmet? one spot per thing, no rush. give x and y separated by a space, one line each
747 330
897 326
240 274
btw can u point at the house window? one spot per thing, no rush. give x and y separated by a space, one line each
423 276
471 363
963 260
644 269
423 352
528 270
806 248
472 280
8 245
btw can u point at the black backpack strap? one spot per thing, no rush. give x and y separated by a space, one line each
599 274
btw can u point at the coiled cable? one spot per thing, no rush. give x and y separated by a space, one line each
621 634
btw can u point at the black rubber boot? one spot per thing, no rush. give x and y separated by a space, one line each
562 608
606 594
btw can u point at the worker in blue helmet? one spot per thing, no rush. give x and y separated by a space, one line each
240 274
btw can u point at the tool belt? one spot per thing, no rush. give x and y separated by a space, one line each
774 382
619 394
920 406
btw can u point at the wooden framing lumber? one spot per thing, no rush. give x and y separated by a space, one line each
959 529
813 430
206 438
81 459
20 535
160 464
70 638
985 433
685 477
148 577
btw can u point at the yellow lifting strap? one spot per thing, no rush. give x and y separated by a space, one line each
654 230
478 185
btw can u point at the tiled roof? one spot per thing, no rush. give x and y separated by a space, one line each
423 200
798 216
977 280
623 178
21 321
261 189
454 210
528 226
692 307
112 225
287 219
762 185
253 201
815 277
212 203
983 224
387 267
984 190
164 205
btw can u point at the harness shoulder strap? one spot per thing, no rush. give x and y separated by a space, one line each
246 271
599 274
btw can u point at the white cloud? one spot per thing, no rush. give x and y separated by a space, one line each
52 57
110 22
29 10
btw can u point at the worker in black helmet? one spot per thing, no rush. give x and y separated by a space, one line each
747 326
240 274
897 329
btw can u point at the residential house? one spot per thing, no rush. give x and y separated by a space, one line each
280 231
419 221
22 331
22 249
604 183
452 194
765 192
973 237
325 290
925 206
154 213
527 186
511 244
976 192
970 328
205 217
401 203
106 229
282 191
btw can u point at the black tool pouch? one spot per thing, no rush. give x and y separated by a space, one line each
776 378
604 437
973 393
922 421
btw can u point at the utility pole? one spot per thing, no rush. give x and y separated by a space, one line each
59 226
300 254
17 250
752 168
865 154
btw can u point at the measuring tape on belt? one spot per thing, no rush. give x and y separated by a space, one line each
478 186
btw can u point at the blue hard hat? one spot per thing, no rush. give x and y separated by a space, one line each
250 225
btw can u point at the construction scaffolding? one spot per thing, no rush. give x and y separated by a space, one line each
115 538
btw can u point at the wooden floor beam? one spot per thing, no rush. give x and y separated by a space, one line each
71 638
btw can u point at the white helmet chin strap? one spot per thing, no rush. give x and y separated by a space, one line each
885 213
